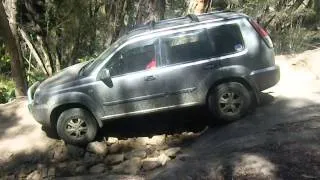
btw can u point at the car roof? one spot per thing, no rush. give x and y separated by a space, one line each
188 20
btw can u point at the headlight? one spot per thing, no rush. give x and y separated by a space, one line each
36 96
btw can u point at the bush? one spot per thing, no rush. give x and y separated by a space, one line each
7 89
4 60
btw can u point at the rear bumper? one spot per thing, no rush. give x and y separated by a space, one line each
266 78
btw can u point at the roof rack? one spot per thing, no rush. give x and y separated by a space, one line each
152 24
193 17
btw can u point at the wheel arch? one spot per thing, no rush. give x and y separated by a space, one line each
63 102
56 112
240 80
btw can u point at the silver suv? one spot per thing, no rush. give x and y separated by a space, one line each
221 60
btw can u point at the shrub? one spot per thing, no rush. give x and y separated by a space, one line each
7 89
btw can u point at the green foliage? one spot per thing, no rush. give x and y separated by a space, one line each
290 23
34 76
7 89
4 60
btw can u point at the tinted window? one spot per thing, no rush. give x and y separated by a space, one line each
187 46
132 58
226 39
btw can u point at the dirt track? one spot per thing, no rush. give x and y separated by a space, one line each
279 140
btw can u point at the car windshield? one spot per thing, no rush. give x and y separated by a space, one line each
96 62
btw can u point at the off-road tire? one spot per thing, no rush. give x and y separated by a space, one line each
75 115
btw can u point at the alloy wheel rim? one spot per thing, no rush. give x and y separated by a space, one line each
76 128
230 103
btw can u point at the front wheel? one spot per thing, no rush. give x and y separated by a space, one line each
229 101
77 126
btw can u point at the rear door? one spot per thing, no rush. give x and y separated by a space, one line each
187 57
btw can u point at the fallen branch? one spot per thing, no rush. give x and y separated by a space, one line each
33 51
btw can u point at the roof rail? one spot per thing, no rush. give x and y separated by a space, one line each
193 17
151 24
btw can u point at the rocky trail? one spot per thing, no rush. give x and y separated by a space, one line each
279 140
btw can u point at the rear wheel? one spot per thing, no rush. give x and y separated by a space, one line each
229 101
77 126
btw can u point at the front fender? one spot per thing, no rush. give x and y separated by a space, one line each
77 98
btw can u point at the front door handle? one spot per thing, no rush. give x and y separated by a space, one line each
150 78
210 66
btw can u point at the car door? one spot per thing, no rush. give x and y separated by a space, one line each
189 60
136 84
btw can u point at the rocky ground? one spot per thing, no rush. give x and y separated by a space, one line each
279 140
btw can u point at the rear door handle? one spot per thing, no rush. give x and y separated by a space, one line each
150 78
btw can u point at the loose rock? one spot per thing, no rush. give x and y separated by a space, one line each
157 140
150 165
163 159
60 153
80 169
35 175
112 140
131 166
99 148
51 172
172 152
90 158
142 140
99 168
114 159
75 152
136 153
114 148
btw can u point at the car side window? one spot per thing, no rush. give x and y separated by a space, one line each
187 46
226 39
132 58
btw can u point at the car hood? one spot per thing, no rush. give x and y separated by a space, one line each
67 75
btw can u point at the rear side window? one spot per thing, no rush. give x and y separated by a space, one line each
226 39
186 46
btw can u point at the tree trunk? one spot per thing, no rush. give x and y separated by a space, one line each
8 29
198 6
317 10
150 10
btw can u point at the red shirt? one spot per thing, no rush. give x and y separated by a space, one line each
152 64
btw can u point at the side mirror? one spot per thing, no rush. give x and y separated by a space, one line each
105 75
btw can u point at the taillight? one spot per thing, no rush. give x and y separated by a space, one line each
263 33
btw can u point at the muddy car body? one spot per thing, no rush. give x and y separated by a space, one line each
220 60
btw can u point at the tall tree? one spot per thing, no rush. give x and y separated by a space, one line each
8 29
150 10
317 10
198 6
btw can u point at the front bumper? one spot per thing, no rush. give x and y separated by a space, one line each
40 112
266 78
